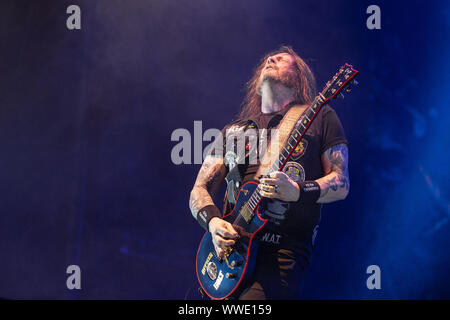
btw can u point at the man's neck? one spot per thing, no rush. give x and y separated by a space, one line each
275 96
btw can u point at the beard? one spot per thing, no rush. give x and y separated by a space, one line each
287 78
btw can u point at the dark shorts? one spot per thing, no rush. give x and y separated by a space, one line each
277 275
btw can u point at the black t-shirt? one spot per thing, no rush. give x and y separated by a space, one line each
292 226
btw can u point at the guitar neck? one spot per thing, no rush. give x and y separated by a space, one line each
297 133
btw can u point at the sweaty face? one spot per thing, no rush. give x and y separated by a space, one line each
280 68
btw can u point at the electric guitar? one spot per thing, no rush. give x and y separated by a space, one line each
220 278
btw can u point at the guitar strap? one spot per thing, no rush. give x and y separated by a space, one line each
279 139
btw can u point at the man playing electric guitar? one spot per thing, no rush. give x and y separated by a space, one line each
316 173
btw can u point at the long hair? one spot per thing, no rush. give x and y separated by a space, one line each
304 89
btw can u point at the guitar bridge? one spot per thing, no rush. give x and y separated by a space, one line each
227 252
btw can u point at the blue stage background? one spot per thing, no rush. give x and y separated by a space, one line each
86 118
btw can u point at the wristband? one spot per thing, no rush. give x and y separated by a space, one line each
206 214
309 192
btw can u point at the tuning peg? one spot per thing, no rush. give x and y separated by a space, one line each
341 95
348 89
354 82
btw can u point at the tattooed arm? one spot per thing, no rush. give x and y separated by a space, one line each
209 178
335 184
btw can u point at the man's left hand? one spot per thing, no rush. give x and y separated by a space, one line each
279 186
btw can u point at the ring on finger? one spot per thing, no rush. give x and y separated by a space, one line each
267 194
267 187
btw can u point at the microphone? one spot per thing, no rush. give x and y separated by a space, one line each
232 178
230 159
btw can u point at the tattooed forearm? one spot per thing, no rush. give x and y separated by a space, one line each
335 184
208 181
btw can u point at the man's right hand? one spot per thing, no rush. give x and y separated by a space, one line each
222 233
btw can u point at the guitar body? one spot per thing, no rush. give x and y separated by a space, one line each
220 278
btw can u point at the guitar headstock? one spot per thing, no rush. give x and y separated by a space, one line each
342 80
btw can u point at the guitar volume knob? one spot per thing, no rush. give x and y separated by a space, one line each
235 263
